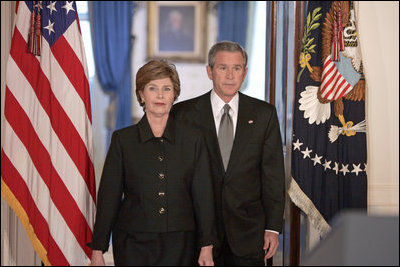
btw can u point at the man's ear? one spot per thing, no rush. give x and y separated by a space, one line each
209 72
245 73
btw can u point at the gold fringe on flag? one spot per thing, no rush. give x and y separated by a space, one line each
19 210
305 204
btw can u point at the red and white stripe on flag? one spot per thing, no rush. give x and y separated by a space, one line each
333 84
47 173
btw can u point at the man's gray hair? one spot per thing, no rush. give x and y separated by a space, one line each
228 47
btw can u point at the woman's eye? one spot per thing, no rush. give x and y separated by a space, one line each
167 88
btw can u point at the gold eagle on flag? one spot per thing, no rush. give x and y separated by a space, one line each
341 75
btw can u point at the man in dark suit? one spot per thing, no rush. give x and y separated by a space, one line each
248 171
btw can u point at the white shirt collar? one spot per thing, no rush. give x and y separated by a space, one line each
217 105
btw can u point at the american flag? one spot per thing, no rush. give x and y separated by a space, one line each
47 174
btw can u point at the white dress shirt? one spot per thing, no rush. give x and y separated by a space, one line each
217 106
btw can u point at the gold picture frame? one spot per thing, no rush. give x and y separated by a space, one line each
177 30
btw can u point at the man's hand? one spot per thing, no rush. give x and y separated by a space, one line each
97 258
206 257
271 243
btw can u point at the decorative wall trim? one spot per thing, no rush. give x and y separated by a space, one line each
383 198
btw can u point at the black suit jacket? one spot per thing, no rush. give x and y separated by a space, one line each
155 184
250 195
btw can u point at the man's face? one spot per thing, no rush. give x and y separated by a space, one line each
176 20
227 74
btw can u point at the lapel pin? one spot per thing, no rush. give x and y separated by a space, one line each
250 121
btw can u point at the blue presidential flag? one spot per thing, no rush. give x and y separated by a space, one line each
329 154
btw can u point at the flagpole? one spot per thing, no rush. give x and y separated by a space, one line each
294 235
294 254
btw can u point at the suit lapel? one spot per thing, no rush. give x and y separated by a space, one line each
206 120
243 131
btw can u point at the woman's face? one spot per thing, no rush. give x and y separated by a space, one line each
158 96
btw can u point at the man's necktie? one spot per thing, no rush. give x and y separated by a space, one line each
225 135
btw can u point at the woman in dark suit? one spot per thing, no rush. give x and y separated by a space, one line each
156 192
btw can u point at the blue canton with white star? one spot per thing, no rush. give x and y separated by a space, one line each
57 16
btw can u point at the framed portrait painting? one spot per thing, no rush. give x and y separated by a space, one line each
177 30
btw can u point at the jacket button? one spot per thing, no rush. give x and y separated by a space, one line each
161 211
160 158
161 176
161 194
